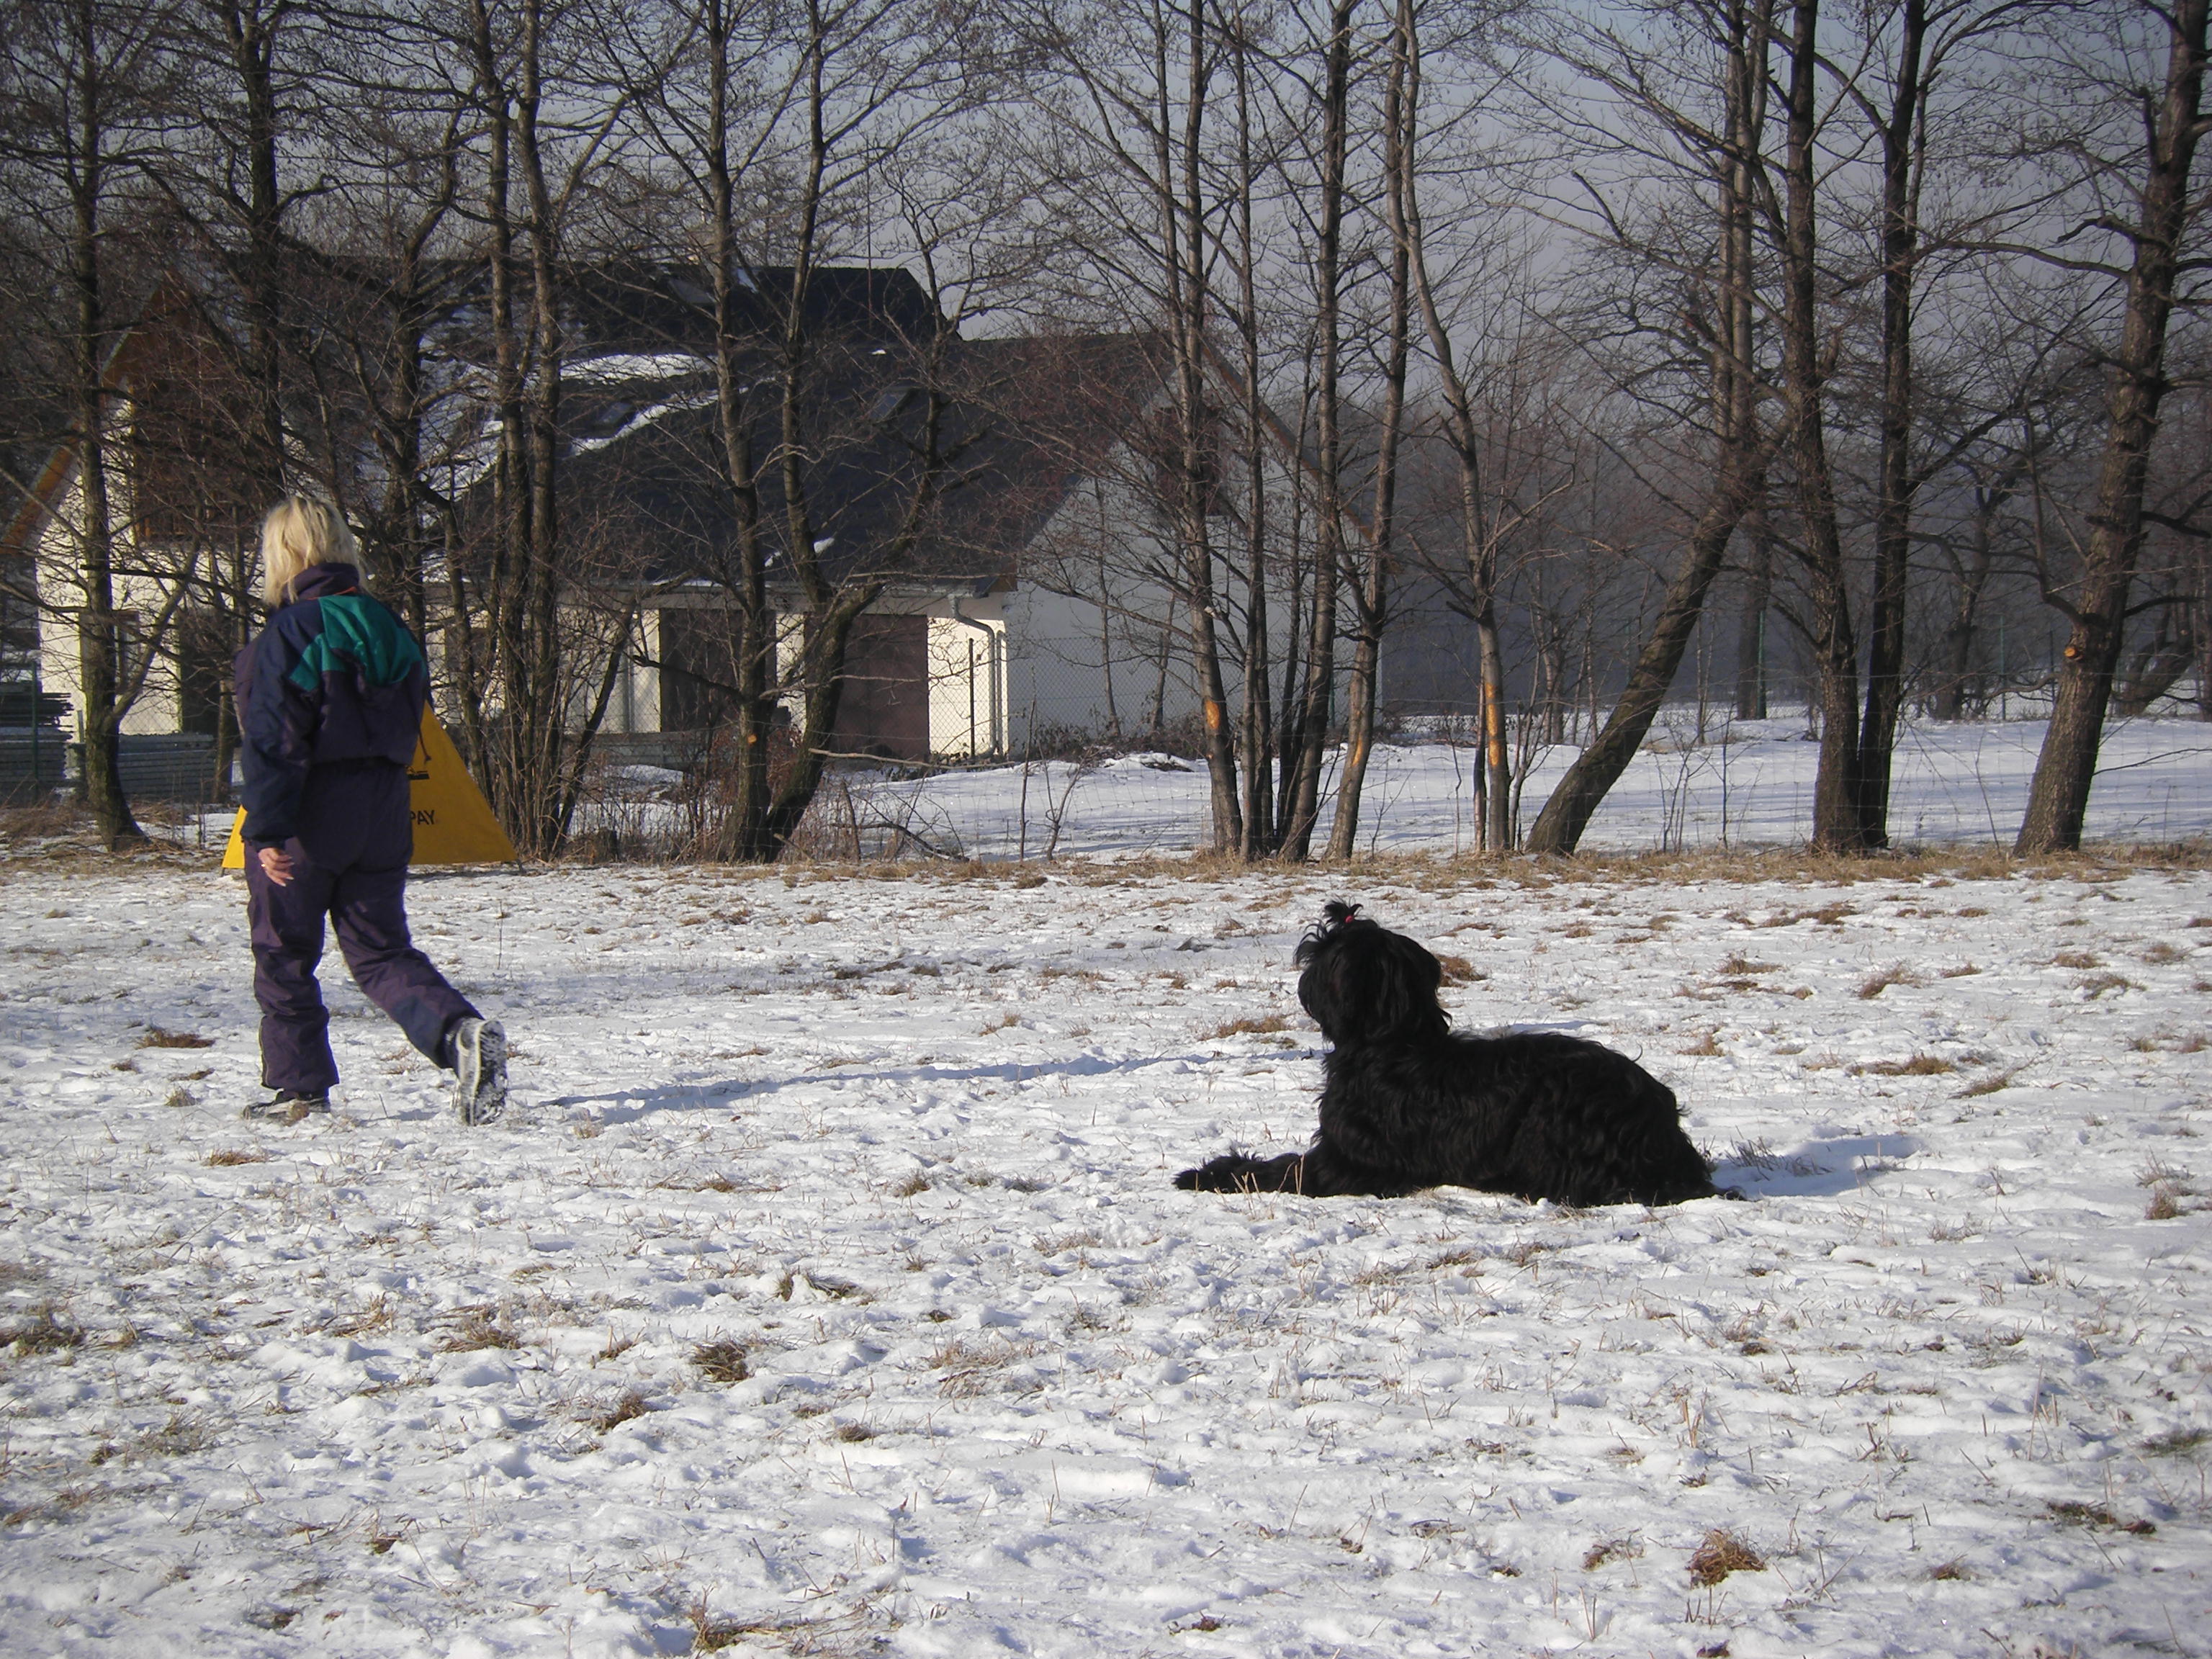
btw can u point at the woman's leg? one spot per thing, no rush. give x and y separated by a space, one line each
369 911
287 924
368 907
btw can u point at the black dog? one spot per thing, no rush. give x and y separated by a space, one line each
1407 1103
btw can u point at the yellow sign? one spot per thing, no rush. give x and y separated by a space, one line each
454 822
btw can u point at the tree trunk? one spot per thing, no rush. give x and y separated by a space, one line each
537 708
1836 821
1739 461
1558 828
99 639
1198 445
1316 705
1371 593
1497 761
2059 797
747 839
1892 526
1751 681
1259 734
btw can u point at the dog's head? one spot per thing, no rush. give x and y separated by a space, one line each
1364 983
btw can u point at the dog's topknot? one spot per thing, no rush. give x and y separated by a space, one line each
1333 915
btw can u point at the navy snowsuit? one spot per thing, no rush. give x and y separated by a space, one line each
330 697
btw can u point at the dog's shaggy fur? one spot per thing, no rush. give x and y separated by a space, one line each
1409 1103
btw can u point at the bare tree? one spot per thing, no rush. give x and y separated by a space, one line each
1738 34
2155 218
545 114
1130 95
782 127
1484 423
89 87
1369 565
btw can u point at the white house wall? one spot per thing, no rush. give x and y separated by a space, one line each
61 597
968 650
1097 647
968 678
635 705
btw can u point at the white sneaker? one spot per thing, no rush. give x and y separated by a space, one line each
479 1070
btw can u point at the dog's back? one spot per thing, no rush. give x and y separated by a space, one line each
1540 1114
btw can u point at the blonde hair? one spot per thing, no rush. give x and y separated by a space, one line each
300 531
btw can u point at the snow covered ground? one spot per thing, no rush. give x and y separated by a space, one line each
825 1290
1742 783
895 1153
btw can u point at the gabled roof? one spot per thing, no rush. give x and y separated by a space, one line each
644 309
1027 419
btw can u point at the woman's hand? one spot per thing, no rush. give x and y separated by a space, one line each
276 864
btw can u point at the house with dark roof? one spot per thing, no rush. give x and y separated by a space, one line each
979 642
1024 592
171 503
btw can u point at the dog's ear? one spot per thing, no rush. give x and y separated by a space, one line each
1323 990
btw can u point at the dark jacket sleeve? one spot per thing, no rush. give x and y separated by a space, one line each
276 723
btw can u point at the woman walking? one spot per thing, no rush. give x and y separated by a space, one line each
330 697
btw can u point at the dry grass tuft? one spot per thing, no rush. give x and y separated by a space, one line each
2157 1172
158 1038
1991 1083
45 1330
2070 1512
184 1432
797 1637
1919 1066
968 1364
479 1327
1610 1549
375 1315
1896 973
225 1157
721 1361
1722 1553
1708 1043
1458 970
609 1415
1258 1026
2095 985
1739 964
